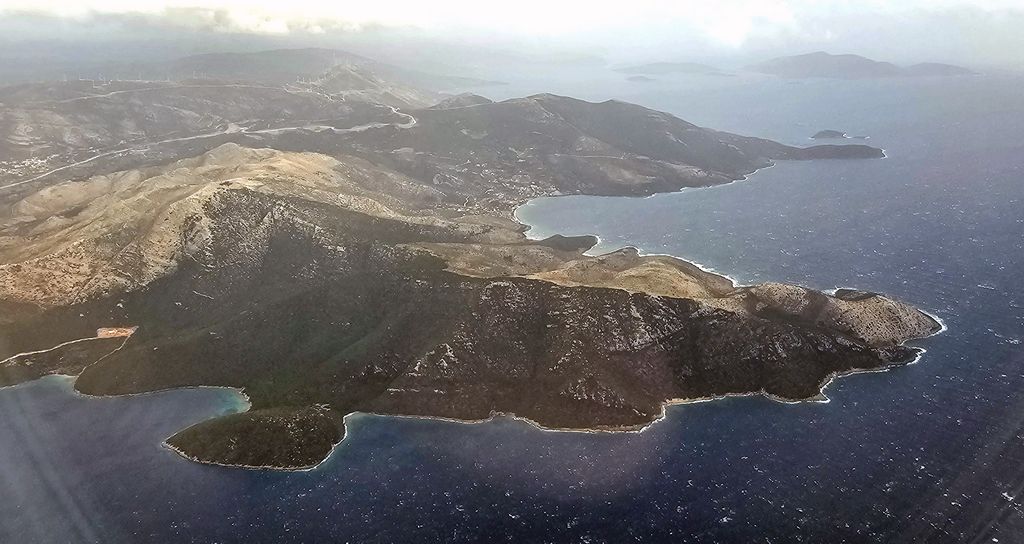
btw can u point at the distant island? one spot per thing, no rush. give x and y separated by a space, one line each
640 79
664 68
829 135
345 244
825 65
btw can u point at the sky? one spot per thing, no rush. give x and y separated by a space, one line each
978 32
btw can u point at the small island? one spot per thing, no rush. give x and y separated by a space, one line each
829 135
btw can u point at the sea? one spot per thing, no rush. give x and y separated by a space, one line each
930 452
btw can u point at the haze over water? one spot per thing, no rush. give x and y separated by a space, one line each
934 449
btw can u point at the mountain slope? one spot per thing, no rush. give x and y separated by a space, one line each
519 148
325 285
61 121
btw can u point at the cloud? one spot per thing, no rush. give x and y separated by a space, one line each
726 21
984 30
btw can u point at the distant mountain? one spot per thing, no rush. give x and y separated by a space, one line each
662 68
281 66
340 70
821 64
275 66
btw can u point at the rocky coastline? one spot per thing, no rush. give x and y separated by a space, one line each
380 270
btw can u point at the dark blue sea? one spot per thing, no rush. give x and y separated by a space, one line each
931 452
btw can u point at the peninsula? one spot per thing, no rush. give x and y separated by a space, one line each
352 255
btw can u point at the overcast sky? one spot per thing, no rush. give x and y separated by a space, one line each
979 32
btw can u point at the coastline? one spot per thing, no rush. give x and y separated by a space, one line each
527 227
197 460
126 337
819 398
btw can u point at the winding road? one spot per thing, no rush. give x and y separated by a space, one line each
231 128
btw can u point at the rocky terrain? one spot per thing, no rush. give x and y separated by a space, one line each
379 268
45 127
73 125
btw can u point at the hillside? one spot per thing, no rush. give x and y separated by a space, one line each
554 143
328 285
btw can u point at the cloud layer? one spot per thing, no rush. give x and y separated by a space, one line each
986 31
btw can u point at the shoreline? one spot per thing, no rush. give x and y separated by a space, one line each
663 415
193 459
736 282
819 398
527 227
